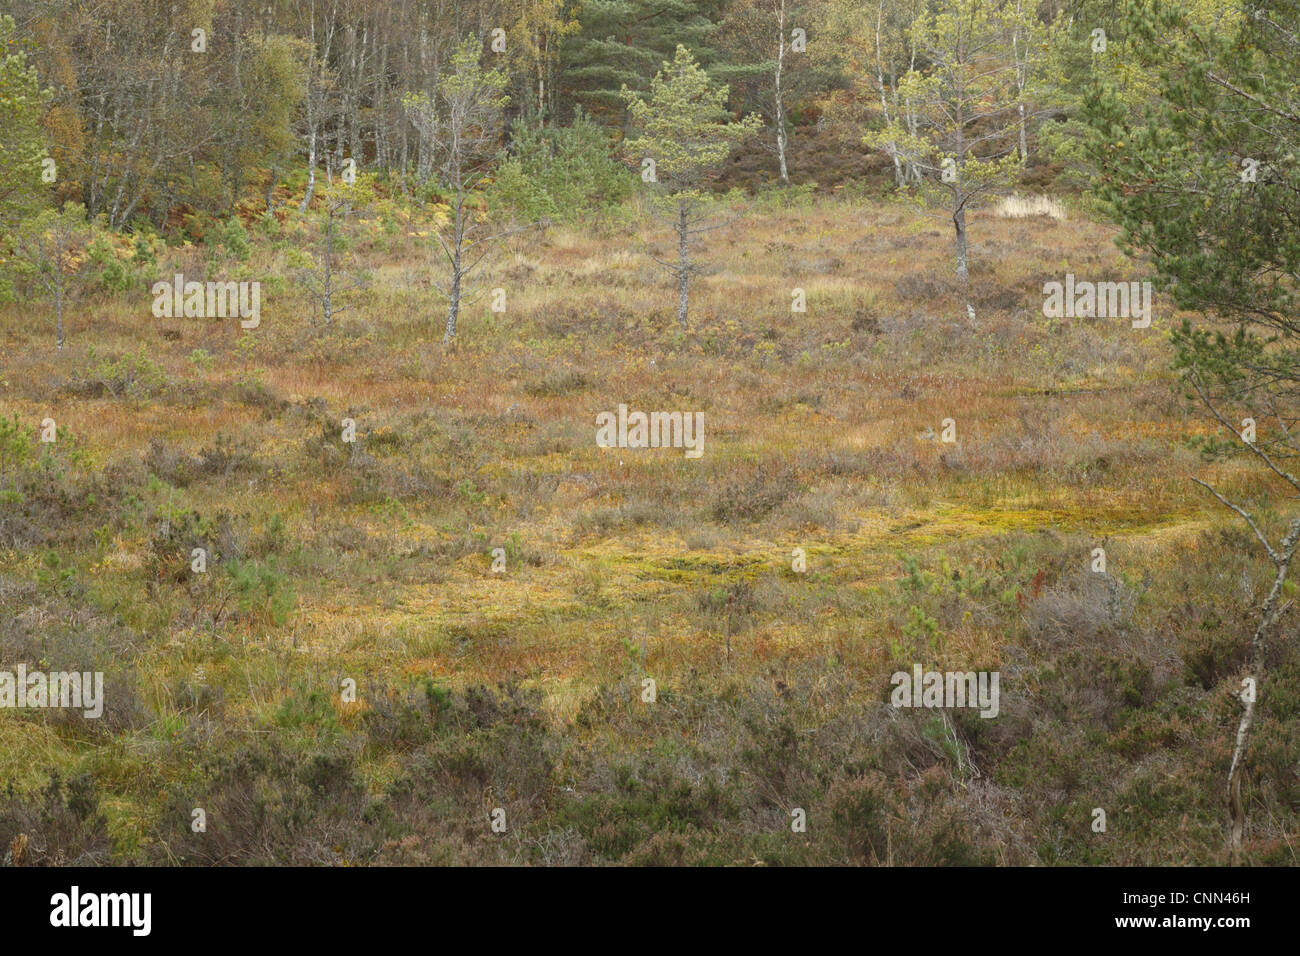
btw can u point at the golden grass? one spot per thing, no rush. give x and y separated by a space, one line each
885 351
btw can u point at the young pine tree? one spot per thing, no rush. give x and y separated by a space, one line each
1206 184
683 135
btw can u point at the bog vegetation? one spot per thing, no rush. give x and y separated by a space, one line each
365 589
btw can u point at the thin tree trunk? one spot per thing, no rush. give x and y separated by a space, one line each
959 196
1270 612
311 169
453 305
327 304
683 265
58 302
1021 69
780 106
959 227
1024 143
900 176
270 189
1022 78
911 120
